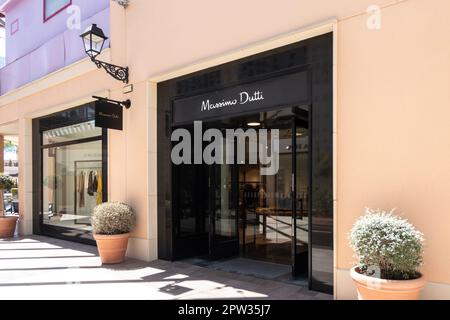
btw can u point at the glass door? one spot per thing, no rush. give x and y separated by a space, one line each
266 200
301 194
266 217
224 238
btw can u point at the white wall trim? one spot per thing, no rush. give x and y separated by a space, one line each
67 73
25 177
345 289
436 291
67 105
152 197
141 249
335 155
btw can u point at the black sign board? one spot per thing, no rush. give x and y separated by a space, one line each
108 115
282 91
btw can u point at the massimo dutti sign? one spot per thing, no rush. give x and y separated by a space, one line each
277 92
108 115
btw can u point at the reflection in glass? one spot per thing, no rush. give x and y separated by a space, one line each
224 205
302 216
266 208
72 184
70 133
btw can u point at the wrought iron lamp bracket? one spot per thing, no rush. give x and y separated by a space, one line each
117 72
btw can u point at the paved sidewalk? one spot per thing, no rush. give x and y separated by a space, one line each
44 268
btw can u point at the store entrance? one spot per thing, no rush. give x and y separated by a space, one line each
244 211
273 209
285 218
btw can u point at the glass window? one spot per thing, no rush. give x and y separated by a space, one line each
72 184
52 7
74 132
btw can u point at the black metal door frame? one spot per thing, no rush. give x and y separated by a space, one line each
228 248
296 268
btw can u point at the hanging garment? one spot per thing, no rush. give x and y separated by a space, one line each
93 183
86 181
90 191
99 199
80 189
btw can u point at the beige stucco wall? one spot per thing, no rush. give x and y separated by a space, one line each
392 143
393 124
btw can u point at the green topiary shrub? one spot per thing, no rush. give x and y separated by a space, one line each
6 182
113 218
387 242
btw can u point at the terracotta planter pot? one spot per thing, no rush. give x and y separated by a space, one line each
7 227
112 249
370 288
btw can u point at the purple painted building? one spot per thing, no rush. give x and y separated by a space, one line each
42 36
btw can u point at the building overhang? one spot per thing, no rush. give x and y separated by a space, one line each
6 4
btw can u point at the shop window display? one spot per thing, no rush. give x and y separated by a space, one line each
72 182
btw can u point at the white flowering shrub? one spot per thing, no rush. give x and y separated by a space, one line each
387 242
113 218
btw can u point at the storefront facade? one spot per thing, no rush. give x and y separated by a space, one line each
347 103
70 173
231 209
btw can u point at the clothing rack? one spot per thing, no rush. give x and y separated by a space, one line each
79 165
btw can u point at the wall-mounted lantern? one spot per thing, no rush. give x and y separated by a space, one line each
123 3
94 39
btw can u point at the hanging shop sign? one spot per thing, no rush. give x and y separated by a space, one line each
288 90
108 115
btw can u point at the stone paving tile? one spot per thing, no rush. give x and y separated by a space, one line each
287 292
323 296
57 269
